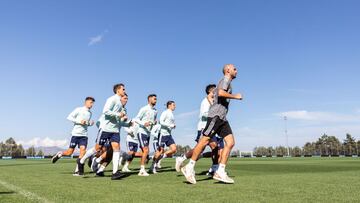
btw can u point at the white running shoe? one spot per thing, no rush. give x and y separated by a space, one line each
126 169
189 174
179 164
143 173
223 177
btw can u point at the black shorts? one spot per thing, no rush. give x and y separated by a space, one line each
217 126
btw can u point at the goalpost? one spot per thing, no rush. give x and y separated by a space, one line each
244 154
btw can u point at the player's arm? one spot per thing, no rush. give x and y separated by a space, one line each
139 117
73 117
223 93
164 123
107 111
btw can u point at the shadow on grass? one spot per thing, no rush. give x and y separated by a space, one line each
277 168
7 193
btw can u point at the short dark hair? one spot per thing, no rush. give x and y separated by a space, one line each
126 95
90 98
209 87
117 86
169 103
151 95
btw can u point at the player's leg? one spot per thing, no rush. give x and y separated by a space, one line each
132 149
68 152
180 160
212 126
214 156
105 162
157 157
172 147
144 145
221 174
115 144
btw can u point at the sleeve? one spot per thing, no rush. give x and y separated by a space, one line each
224 84
163 122
139 117
73 115
109 105
204 110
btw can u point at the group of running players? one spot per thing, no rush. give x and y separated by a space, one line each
213 131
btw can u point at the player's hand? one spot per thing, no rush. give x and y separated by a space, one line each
238 96
83 122
122 114
147 124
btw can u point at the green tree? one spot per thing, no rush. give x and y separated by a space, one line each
350 145
40 153
296 152
270 151
31 151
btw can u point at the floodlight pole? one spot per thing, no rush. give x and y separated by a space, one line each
287 137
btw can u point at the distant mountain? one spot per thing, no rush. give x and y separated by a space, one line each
49 151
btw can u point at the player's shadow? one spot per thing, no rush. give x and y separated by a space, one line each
7 193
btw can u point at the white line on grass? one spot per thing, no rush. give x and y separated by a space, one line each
25 193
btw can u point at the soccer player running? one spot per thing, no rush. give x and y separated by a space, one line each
113 117
81 117
215 140
146 119
167 122
217 124
132 143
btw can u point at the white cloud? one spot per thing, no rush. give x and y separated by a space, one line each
319 116
47 142
97 39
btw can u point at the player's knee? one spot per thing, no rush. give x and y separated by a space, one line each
230 143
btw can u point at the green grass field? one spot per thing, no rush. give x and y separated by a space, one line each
257 180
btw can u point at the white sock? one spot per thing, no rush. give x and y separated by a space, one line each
184 157
76 169
164 156
142 168
101 169
87 155
100 159
116 157
60 154
126 165
192 163
221 168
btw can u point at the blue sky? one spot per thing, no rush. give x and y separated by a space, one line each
295 58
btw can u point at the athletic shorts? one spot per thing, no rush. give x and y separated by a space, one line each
108 137
78 141
166 140
156 145
199 134
219 141
143 140
132 146
217 126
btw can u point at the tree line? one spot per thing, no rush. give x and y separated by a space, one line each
10 148
325 146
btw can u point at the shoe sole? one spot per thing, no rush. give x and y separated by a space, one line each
221 180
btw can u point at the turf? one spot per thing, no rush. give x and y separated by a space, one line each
256 180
